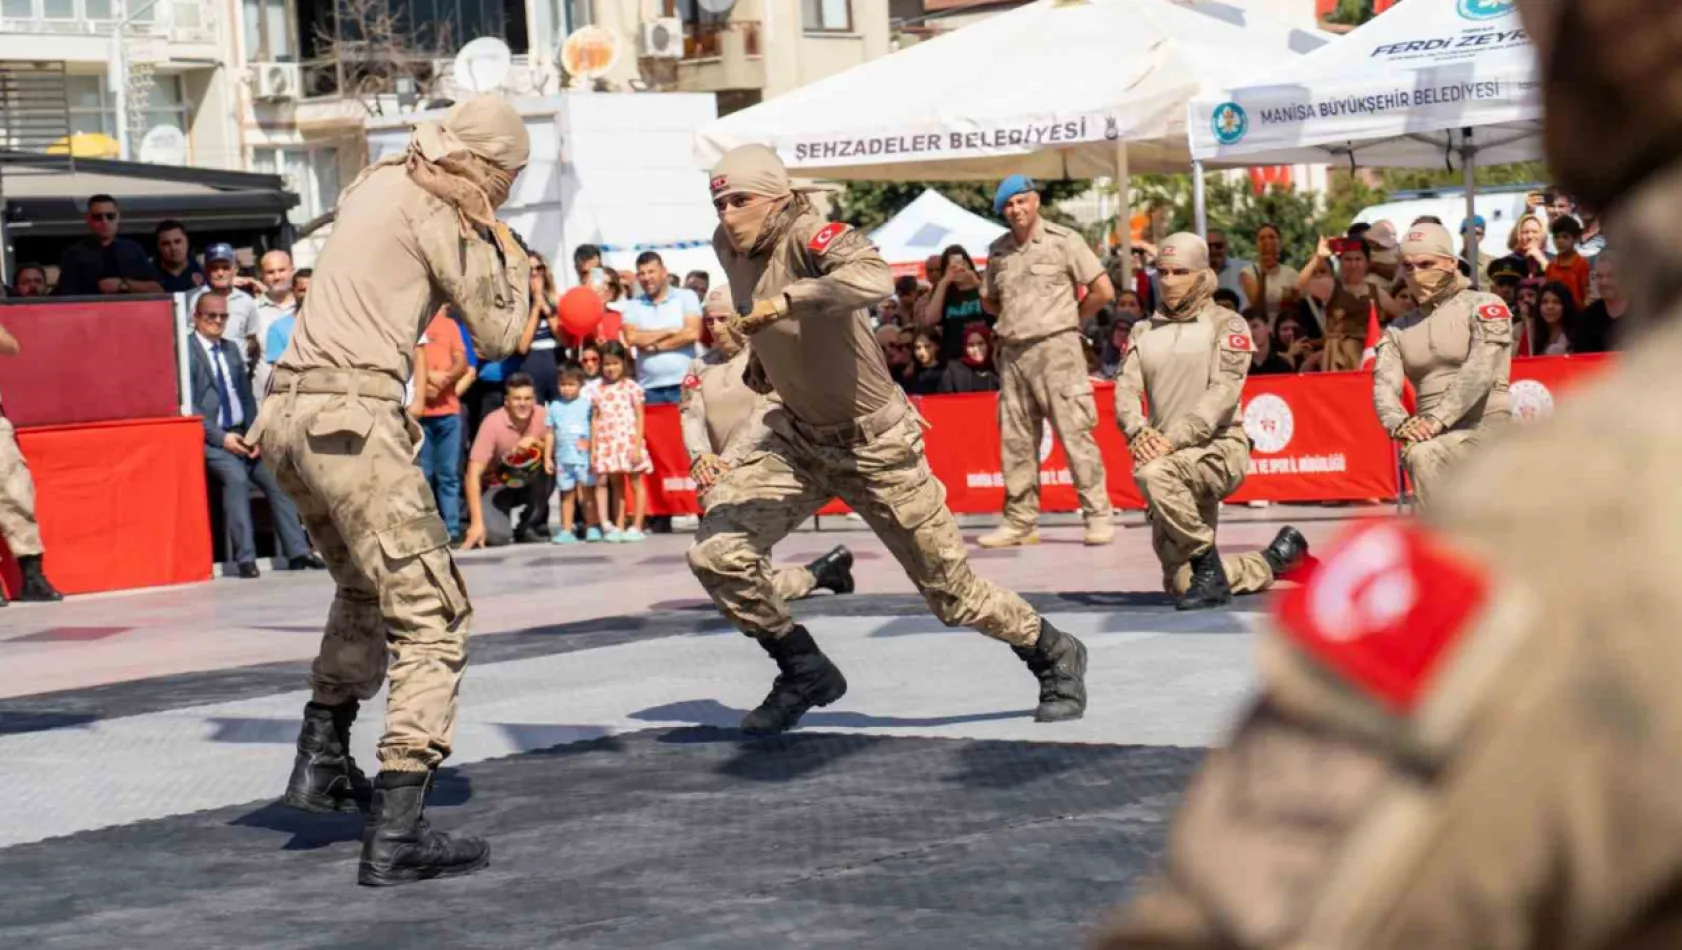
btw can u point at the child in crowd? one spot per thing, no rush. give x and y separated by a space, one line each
1568 267
567 451
616 441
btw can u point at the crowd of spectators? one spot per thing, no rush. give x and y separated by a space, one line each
1308 308
564 418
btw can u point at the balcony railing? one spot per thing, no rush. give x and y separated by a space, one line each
176 21
707 40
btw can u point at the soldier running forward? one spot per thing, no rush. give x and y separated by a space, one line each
1033 273
414 231
719 415
1189 360
17 506
1457 351
843 429
1468 730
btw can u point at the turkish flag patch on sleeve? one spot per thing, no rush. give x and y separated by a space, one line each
691 381
1384 608
826 236
1494 311
1238 341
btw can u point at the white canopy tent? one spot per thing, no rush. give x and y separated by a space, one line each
1054 89
929 225
1443 83
1047 90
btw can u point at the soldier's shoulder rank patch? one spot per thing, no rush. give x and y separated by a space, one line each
826 236
1237 334
1494 310
1384 608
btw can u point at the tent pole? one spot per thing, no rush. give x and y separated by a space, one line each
1199 200
1124 215
1469 162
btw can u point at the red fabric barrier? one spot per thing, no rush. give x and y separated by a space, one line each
121 504
91 361
1316 438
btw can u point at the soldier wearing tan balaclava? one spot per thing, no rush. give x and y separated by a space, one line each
1188 360
1456 351
840 428
413 232
1467 733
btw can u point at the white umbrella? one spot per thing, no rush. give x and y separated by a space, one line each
1049 89
1406 89
928 226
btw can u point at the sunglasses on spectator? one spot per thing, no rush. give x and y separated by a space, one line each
102 215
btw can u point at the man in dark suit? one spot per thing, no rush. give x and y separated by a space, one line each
222 396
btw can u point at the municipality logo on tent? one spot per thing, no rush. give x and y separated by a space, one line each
1231 122
1485 9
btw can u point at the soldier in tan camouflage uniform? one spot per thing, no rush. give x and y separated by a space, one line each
412 232
721 417
17 506
1467 736
1033 271
1457 351
1188 360
841 428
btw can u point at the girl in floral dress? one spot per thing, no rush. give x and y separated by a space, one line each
617 448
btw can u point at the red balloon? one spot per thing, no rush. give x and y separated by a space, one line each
581 311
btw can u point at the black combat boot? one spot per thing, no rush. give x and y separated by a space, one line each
805 679
1209 586
324 776
36 587
1059 661
834 571
399 847
1286 552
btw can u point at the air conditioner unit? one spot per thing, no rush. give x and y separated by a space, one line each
662 38
275 82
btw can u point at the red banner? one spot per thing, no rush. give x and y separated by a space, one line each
90 361
121 504
1315 438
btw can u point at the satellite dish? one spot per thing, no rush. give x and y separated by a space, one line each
483 64
164 145
589 52
717 6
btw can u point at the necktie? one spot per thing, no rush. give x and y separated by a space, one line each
227 414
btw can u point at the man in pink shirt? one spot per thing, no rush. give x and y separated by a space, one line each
505 471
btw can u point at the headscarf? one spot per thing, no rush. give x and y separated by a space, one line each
986 333
1188 292
1431 288
469 161
757 170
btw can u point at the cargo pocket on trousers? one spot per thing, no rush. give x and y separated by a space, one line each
1083 408
427 541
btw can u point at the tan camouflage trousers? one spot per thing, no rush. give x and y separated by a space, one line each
17 497
791 583
349 466
1429 462
884 477
1039 381
1183 491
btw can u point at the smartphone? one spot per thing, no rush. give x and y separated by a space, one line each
598 275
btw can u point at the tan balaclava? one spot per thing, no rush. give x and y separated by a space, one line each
469 161
720 304
1431 288
1184 295
753 170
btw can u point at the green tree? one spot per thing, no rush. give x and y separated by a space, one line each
869 204
1351 12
